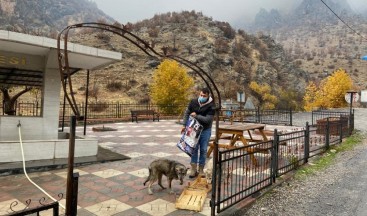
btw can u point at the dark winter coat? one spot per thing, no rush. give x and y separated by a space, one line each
204 112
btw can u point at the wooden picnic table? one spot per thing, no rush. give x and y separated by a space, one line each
237 132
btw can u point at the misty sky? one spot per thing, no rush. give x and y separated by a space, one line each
233 11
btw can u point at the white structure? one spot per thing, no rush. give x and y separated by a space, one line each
33 54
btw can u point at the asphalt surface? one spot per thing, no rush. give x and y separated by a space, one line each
339 190
347 194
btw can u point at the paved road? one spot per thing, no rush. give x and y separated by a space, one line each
340 190
347 196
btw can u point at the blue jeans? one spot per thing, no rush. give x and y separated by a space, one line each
202 147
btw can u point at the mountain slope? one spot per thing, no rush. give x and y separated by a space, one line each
316 40
44 16
233 59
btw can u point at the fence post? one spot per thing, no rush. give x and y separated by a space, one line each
341 129
69 183
74 200
219 182
312 117
120 113
307 143
117 109
274 155
56 209
327 138
351 122
291 119
258 115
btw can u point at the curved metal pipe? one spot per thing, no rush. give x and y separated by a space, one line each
148 50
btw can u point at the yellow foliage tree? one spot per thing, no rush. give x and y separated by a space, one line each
311 98
330 93
289 99
262 93
170 86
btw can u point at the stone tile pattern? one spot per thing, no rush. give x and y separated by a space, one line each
114 188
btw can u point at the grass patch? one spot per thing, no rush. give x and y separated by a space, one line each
328 157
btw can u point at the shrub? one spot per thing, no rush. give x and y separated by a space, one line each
298 62
98 107
114 86
103 36
221 45
331 66
228 31
153 32
240 48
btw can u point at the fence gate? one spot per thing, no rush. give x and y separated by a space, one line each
243 172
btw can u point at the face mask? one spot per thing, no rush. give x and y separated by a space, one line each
202 99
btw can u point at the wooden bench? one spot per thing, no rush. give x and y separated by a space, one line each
147 113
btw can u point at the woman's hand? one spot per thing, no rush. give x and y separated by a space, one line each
183 130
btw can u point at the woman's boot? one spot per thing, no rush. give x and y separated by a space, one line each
201 171
193 171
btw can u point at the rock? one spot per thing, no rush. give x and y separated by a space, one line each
227 61
153 63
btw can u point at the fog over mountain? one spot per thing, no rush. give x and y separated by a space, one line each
237 12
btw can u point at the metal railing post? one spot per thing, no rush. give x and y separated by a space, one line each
69 183
56 209
341 128
307 143
291 119
351 122
215 163
274 154
327 138
74 201
258 115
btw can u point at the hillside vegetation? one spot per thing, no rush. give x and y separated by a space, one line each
232 58
286 54
317 41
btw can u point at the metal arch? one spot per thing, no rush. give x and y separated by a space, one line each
64 67
144 46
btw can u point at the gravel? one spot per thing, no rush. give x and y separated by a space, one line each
336 190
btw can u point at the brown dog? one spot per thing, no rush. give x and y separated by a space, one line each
171 169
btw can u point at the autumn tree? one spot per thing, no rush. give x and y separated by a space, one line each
311 98
262 93
170 86
330 93
289 99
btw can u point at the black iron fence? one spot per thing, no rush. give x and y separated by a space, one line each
258 115
36 210
24 108
119 110
243 172
115 110
322 114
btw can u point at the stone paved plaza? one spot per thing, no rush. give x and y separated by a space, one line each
113 188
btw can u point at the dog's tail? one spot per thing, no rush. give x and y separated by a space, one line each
148 178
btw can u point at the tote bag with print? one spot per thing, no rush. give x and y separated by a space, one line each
190 138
